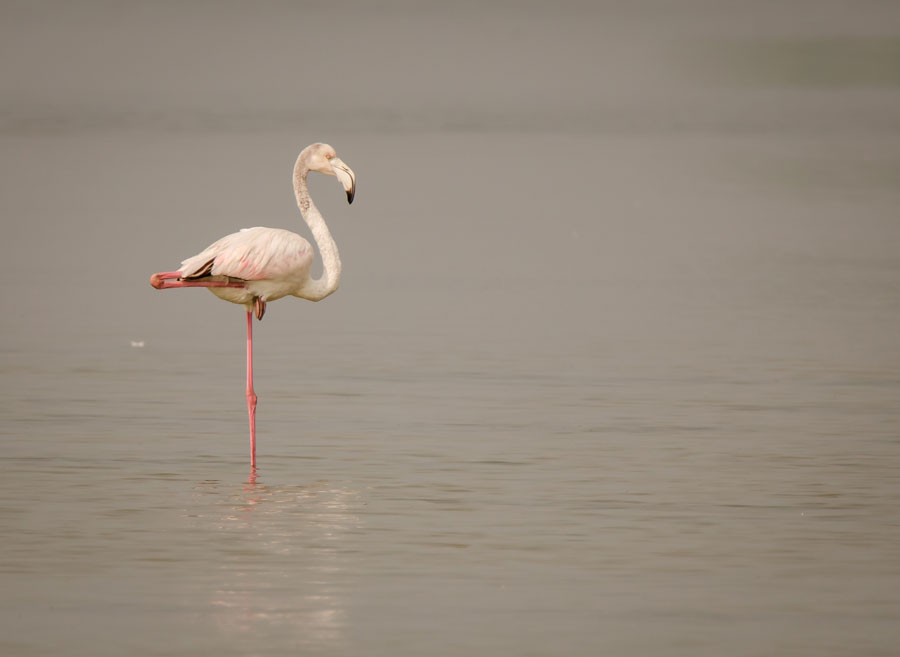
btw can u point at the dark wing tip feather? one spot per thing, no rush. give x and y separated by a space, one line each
205 270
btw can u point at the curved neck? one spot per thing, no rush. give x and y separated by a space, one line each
316 289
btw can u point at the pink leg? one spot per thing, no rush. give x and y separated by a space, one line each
251 396
168 279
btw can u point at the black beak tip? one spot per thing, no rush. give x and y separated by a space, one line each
350 195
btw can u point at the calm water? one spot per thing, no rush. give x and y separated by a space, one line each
621 381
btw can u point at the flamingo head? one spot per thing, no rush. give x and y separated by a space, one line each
324 159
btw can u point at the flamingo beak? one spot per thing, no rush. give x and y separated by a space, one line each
346 176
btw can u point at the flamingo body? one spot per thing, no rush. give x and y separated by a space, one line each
272 262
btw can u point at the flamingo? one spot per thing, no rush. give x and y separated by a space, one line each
258 265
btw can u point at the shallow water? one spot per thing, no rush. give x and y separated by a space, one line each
627 385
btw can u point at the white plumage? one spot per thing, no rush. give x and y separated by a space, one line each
272 262
257 265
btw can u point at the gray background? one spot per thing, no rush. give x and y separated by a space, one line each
613 369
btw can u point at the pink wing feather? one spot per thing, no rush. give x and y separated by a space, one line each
252 254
